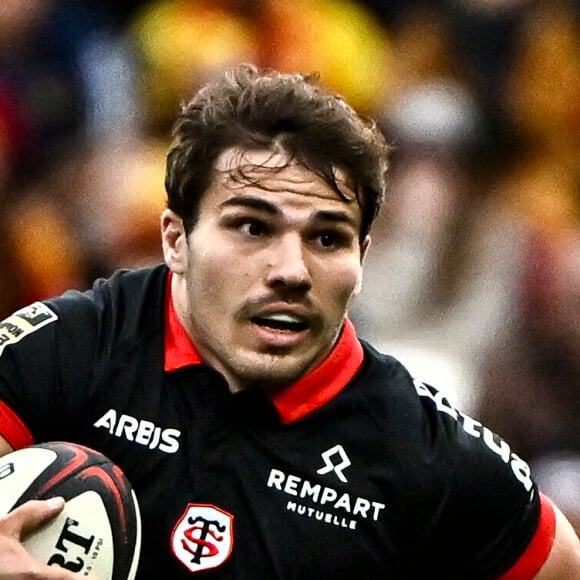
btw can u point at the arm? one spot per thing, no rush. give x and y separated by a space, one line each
29 397
495 488
563 562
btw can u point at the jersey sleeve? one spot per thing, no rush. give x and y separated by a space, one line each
46 359
537 551
489 520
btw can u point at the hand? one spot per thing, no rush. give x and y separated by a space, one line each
15 562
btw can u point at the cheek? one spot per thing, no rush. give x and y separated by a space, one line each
339 288
220 277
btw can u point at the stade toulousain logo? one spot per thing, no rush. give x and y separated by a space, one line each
203 537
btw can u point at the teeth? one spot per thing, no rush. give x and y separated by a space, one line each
284 318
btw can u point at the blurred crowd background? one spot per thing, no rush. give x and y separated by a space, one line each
473 278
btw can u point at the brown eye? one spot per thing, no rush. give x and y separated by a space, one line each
331 239
328 240
252 228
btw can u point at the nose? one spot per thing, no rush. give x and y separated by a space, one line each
287 264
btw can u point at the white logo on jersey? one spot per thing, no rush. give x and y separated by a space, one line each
24 322
312 500
338 467
323 503
140 431
519 467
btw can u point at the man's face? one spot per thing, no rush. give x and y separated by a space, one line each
264 279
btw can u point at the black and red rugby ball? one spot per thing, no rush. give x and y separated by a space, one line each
99 529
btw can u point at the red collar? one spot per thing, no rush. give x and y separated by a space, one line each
179 350
294 401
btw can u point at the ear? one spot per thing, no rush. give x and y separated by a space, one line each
365 245
174 241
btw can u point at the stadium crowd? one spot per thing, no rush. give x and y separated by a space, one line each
473 278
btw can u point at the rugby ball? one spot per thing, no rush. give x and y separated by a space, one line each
99 529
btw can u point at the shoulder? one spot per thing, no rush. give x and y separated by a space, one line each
114 306
483 505
118 300
423 411
24 323
434 419
460 441
137 285
125 290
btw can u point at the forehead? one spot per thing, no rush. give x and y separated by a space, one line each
240 172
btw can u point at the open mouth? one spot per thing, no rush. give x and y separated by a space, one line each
281 322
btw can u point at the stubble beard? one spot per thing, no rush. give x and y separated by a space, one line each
268 371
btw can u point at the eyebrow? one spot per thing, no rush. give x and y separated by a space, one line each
251 202
271 208
335 216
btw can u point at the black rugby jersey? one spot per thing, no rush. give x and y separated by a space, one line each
355 471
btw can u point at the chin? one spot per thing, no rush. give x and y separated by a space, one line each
270 371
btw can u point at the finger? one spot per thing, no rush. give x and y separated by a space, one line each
28 517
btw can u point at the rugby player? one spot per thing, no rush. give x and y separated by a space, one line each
264 439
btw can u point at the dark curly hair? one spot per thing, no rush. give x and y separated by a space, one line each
254 109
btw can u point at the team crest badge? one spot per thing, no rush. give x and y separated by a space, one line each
203 537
